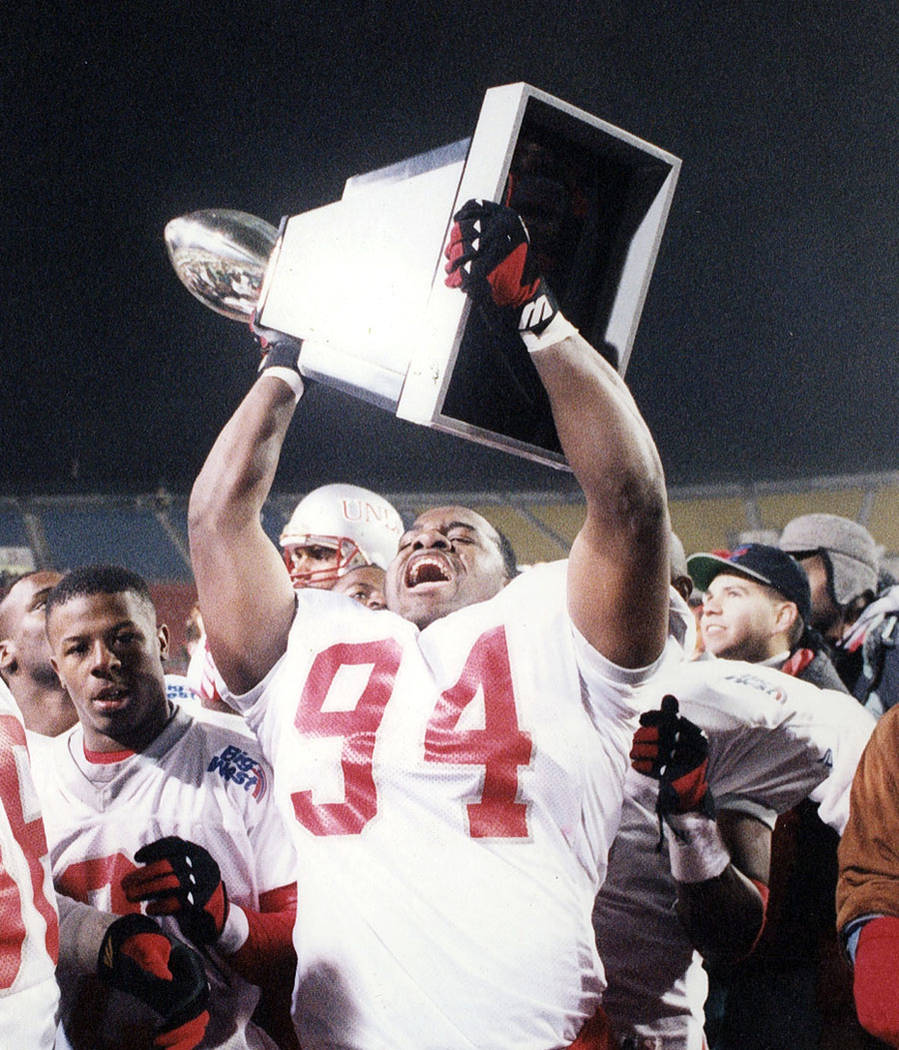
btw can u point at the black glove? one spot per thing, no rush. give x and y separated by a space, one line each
671 749
180 879
490 258
278 348
137 957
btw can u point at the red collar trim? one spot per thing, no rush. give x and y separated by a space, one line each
106 758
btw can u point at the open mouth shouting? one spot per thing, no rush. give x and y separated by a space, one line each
428 567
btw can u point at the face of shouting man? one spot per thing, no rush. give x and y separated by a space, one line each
449 559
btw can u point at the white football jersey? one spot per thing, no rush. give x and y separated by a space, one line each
179 690
773 740
453 793
29 923
199 782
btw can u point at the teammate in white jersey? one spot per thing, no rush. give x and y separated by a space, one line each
29 924
453 766
144 804
335 532
25 657
134 957
772 741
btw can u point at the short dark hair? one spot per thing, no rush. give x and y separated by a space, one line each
98 579
510 561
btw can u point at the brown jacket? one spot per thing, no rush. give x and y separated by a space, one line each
869 849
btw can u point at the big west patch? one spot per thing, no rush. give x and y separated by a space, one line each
240 768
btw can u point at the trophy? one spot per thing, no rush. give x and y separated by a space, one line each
361 281
221 257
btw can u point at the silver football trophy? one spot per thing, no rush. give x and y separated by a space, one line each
361 281
221 257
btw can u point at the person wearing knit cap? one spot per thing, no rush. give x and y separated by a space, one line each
841 559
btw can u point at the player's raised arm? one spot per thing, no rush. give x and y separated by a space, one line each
618 567
243 588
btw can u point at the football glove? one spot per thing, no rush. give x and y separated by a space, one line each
181 879
489 256
279 351
673 750
137 957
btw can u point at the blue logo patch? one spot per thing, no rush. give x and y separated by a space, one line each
761 684
238 767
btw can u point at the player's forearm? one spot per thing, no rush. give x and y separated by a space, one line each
239 471
81 932
267 953
606 441
723 916
619 560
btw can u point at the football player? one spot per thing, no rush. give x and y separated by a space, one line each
333 530
336 528
451 767
25 657
144 804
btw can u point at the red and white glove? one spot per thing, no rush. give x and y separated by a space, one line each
489 256
673 750
181 879
137 957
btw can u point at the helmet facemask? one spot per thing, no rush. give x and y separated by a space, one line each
348 556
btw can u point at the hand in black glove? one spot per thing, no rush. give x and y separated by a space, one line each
278 348
674 751
181 879
137 957
489 256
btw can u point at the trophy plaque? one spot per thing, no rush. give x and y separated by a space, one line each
361 281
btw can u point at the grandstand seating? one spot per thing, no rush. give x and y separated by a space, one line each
149 532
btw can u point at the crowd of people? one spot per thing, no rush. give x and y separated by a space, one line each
408 796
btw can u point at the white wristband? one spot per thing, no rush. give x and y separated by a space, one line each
236 931
288 375
559 328
695 847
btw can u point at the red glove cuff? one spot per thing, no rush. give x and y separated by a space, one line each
874 982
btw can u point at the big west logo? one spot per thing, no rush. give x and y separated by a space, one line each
238 767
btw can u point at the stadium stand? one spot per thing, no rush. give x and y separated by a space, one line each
148 532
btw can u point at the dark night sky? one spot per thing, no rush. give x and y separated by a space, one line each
767 345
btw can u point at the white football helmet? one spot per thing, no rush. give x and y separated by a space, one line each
361 526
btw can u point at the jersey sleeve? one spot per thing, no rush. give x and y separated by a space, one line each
541 593
854 725
773 740
602 677
271 842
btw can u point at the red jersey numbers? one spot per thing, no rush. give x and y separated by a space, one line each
98 881
28 832
493 740
500 747
356 727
